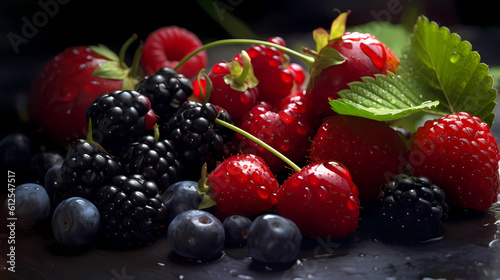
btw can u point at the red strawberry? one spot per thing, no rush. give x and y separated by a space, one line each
234 87
459 154
321 200
359 55
70 82
166 46
242 185
371 150
270 66
286 130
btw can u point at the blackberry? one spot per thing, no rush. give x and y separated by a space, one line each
156 161
85 169
132 212
195 135
412 208
167 90
120 117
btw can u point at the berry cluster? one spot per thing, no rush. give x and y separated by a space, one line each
136 175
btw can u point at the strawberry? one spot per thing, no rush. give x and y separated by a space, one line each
459 154
165 46
234 86
342 58
371 150
286 130
70 82
321 200
241 185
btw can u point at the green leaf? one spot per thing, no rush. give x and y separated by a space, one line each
437 71
337 28
320 36
382 98
105 51
449 70
111 70
327 57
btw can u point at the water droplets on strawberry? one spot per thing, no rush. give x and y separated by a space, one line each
263 192
375 51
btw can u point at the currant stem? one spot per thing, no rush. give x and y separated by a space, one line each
246 67
305 58
258 141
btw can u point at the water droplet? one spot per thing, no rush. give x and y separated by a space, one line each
263 192
322 192
375 52
274 198
296 181
351 203
69 93
90 87
455 57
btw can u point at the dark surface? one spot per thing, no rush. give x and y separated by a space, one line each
470 248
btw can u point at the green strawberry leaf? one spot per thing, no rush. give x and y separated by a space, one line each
111 70
338 26
437 69
105 51
382 98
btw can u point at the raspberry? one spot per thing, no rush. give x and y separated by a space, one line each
156 161
167 90
86 168
166 46
412 208
132 212
194 134
459 154
120 117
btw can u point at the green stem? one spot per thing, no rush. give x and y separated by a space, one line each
124 48
135 63
246 67
258 141
305 58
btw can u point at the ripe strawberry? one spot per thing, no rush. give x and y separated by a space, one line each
459 154
70 82
321 200
242 185
271 68
359 55
286 130
234 87
371 150
166 46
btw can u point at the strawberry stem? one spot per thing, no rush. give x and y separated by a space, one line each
304 57
258 141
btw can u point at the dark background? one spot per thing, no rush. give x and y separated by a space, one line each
88 22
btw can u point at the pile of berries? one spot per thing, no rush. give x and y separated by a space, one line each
136 175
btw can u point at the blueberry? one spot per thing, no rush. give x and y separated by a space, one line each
196 234
236 228
53 181
32 205
41 162
16 150
273 239
180 197
76 222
